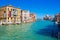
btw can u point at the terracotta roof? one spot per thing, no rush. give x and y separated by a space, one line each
58 15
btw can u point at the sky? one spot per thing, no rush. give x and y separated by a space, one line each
39 7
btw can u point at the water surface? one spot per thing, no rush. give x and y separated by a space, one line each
39 30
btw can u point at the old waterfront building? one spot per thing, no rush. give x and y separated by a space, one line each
32 17
10 14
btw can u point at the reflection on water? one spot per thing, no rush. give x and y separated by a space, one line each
27 31
50 30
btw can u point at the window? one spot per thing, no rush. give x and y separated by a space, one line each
4 11
24 17
8 9
13 9
9 14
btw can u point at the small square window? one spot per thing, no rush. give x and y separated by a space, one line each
4 11
13 9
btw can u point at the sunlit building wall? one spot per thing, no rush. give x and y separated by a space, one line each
25 16
32 17
10 14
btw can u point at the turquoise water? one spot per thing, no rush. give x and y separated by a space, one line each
39 30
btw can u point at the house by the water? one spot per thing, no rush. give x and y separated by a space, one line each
10 14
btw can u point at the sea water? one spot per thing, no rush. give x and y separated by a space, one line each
39 30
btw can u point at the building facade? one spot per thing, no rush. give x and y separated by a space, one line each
57 18
25 16
32 17
48 17
10 14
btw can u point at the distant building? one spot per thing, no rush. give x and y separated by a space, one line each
57 17
25 16
47 17
32 17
